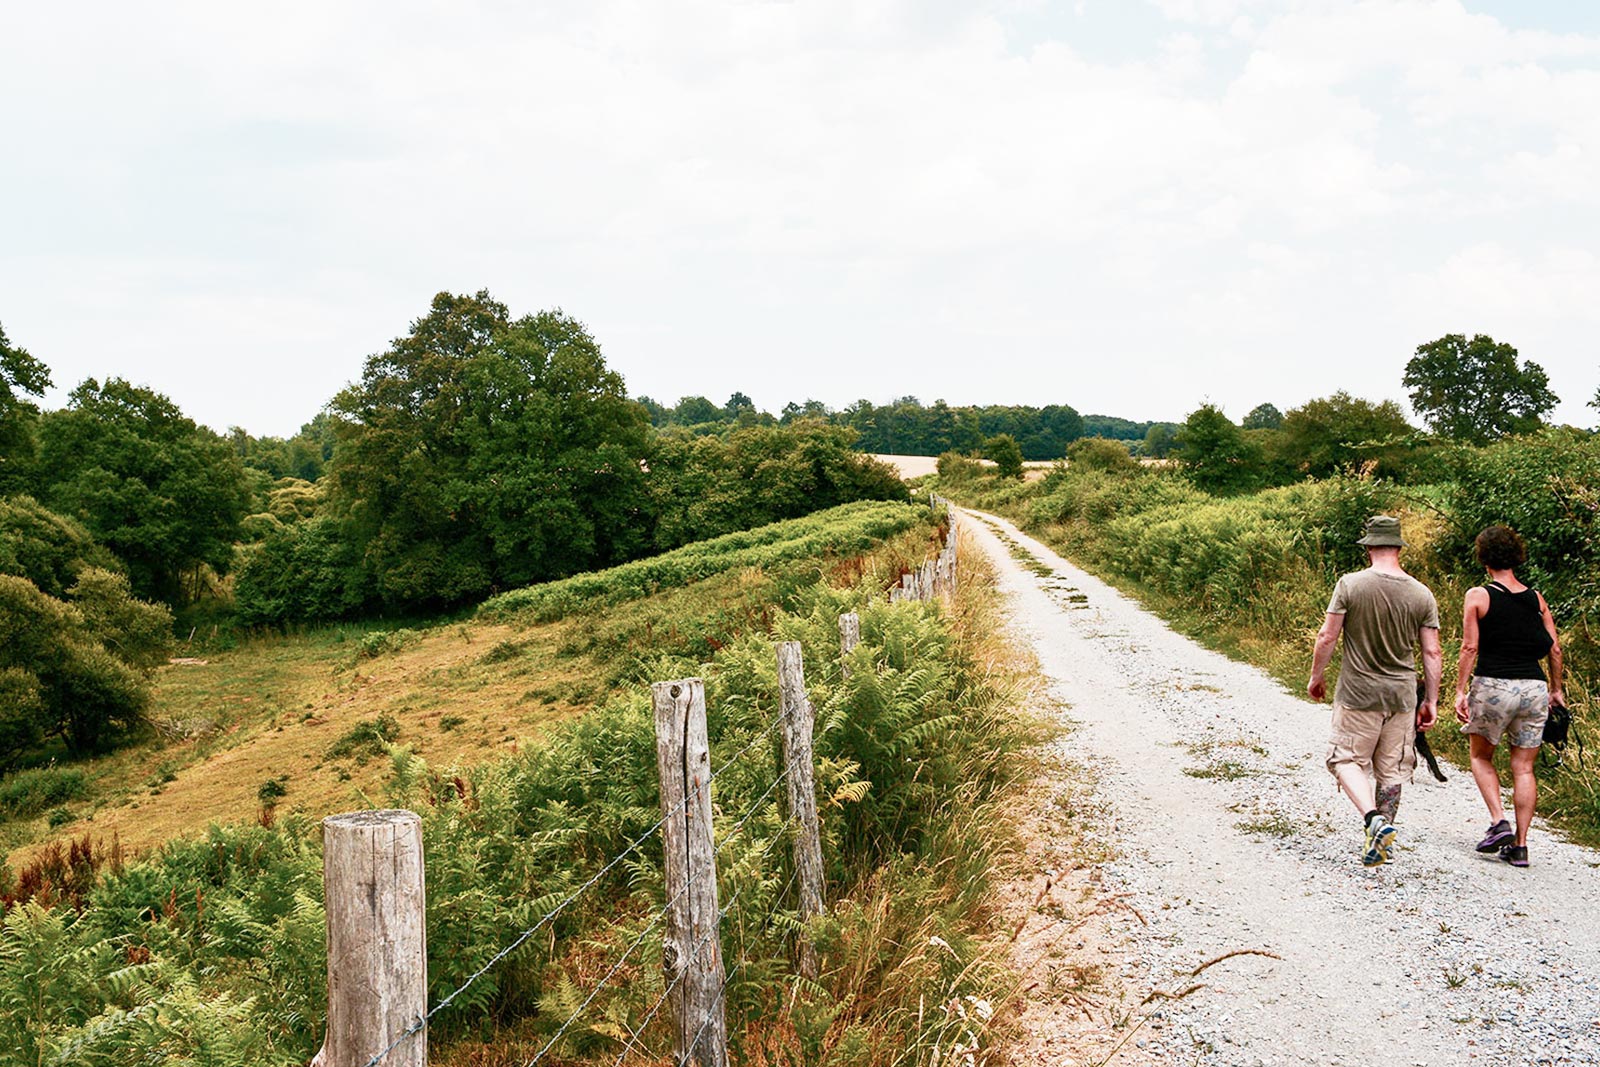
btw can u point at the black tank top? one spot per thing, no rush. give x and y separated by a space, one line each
1511 635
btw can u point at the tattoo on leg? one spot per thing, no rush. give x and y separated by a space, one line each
1389 801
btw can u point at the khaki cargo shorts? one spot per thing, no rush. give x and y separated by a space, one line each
1514 708
1383 743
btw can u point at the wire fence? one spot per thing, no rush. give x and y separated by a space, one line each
695 978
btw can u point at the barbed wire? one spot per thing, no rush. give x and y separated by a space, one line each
728 979
635 1038
615 967
549 916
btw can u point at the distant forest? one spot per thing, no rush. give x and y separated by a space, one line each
908 427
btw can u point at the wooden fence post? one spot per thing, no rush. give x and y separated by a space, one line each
798 720
692 952
849 638
377 939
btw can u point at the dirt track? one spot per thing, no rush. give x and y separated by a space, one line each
1231 837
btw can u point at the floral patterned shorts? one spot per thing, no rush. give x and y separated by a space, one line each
1511 707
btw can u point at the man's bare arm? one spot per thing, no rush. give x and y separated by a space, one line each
1432 667
1327 641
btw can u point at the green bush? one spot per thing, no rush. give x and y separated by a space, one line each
1101 453
367 738
27 793
1547 488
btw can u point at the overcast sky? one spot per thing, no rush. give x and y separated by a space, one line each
1122 205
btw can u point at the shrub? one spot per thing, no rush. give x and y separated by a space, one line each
27 793
273 790
1006 455
1101 454
958 467
367 738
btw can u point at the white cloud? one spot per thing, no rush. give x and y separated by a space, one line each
828 199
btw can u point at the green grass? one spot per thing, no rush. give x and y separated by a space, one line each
849 529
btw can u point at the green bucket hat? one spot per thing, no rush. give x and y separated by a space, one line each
1383 531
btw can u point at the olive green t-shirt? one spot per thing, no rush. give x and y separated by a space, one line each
1382 616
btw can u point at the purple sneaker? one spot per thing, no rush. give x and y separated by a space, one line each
1516 855
1499 834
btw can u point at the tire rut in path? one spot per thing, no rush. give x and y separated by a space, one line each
1232 837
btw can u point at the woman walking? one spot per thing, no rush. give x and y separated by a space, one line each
1507 629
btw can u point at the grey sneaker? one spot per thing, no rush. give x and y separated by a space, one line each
1380 839
1499 834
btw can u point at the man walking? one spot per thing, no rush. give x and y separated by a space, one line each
1384 615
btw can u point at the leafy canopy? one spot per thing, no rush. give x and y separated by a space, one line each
1476 390
1216 454
480 452
1002 450
74 668
1341 431
162 493
1262 417
20 373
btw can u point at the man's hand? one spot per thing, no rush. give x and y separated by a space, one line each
1427 715
1463 716
1316 689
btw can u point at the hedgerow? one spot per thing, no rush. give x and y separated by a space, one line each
845 530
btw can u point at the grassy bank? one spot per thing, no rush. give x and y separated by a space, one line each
209 949
1250 575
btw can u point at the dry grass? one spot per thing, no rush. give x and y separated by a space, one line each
271 708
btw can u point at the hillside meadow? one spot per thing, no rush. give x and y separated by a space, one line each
135 933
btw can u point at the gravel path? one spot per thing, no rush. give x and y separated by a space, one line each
1231 837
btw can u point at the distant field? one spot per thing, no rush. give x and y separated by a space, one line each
918 466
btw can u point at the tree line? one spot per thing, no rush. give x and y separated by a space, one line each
907 427
479 452
1467 391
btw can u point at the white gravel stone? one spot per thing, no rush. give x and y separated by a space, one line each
1441 957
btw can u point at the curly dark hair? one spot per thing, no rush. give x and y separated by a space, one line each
1500 548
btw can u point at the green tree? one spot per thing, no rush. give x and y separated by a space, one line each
1216 454
20 374
1101 454
695 410
47 549
1158 441
707 486
480 452
163 494
78 664
1003 451
1262 417
1476 390
1341 431
738 404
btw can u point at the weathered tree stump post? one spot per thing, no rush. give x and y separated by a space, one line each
798 721
377 940
849 638
692 953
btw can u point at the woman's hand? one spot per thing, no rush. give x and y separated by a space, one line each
1462 715
1558 697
